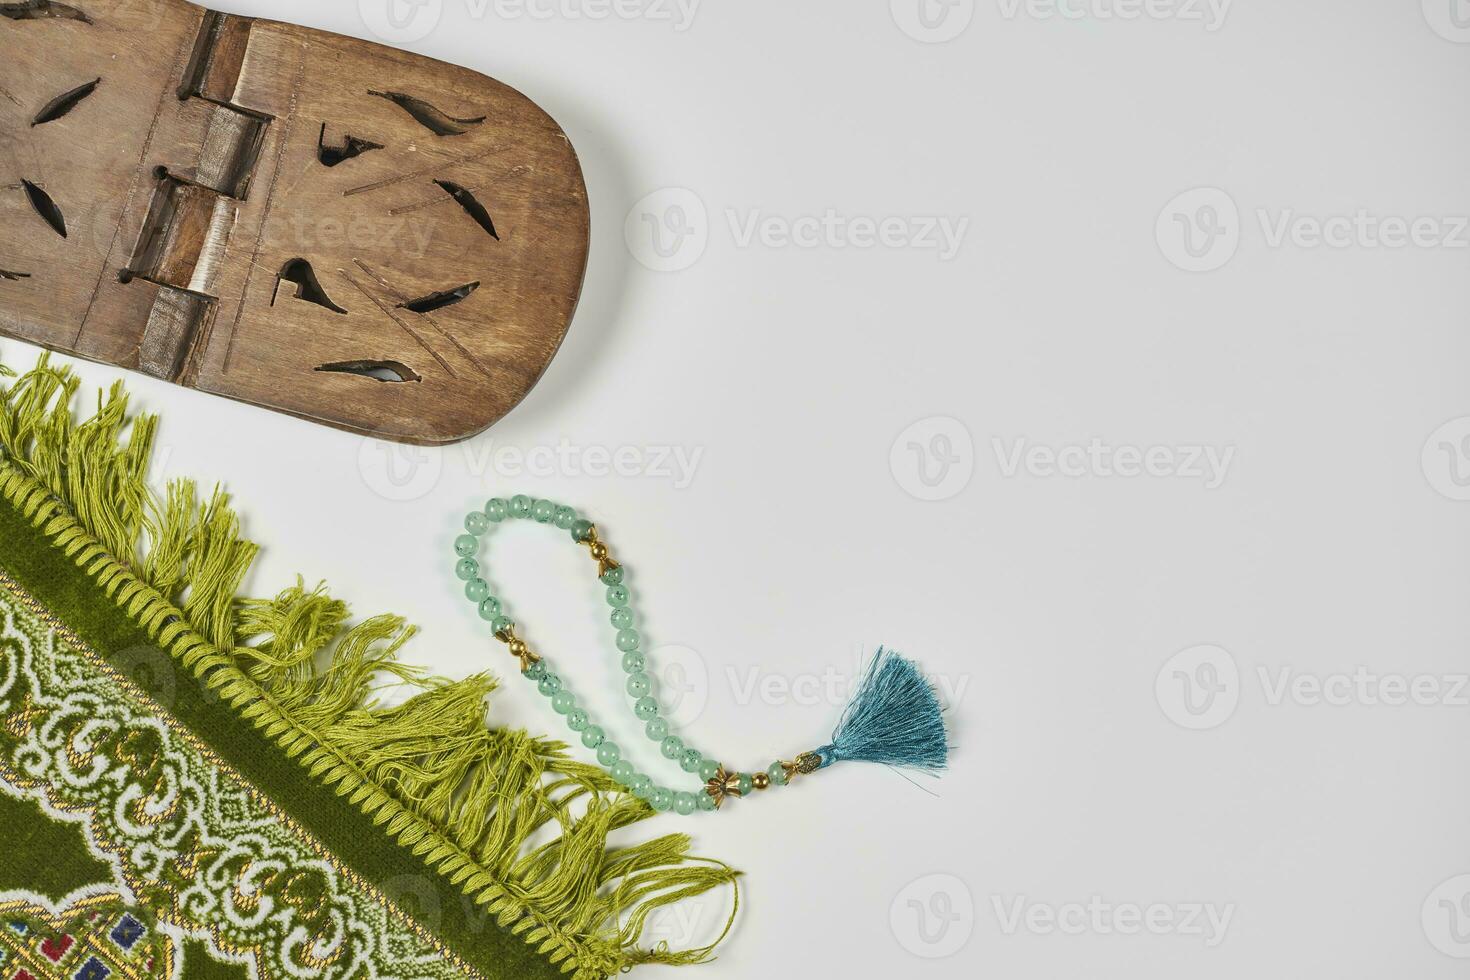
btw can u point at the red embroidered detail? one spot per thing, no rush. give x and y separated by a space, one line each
55 948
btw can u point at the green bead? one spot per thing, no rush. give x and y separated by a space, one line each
592 736
627 640
466 569
657 729
639 685
617 595
691 760
684 803
466 546
704 801
707 769
661 799
549 685
502 623
490 609
564 517
608 752
535 672
645 709
613 576
520 505
640 786
496 509
672 747
621 618
477 590
476 522
580 529
562 702
745 784
543 511
633 661
777 772
576 719
622 771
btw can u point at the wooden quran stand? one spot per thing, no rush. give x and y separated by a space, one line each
310 223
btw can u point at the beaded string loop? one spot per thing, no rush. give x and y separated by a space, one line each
718 782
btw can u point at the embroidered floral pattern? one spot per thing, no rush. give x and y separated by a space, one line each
192 843
96 939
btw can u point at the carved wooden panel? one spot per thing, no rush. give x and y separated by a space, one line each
318 225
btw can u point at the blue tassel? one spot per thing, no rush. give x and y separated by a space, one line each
894 718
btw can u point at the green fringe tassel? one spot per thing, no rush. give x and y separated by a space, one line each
464 796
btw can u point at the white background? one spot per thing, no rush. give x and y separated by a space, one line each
828 387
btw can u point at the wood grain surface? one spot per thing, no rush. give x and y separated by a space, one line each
315 224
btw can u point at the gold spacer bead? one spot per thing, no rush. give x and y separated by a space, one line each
517 647
760 780
599 551
808 762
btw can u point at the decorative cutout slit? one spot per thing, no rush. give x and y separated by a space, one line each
40 10
429 116
471 206
385 371
45 207
330 156
13 276
64 103
441 299
308 287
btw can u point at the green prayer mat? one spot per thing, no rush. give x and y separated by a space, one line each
198 785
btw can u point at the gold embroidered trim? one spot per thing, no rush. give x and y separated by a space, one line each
186 735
